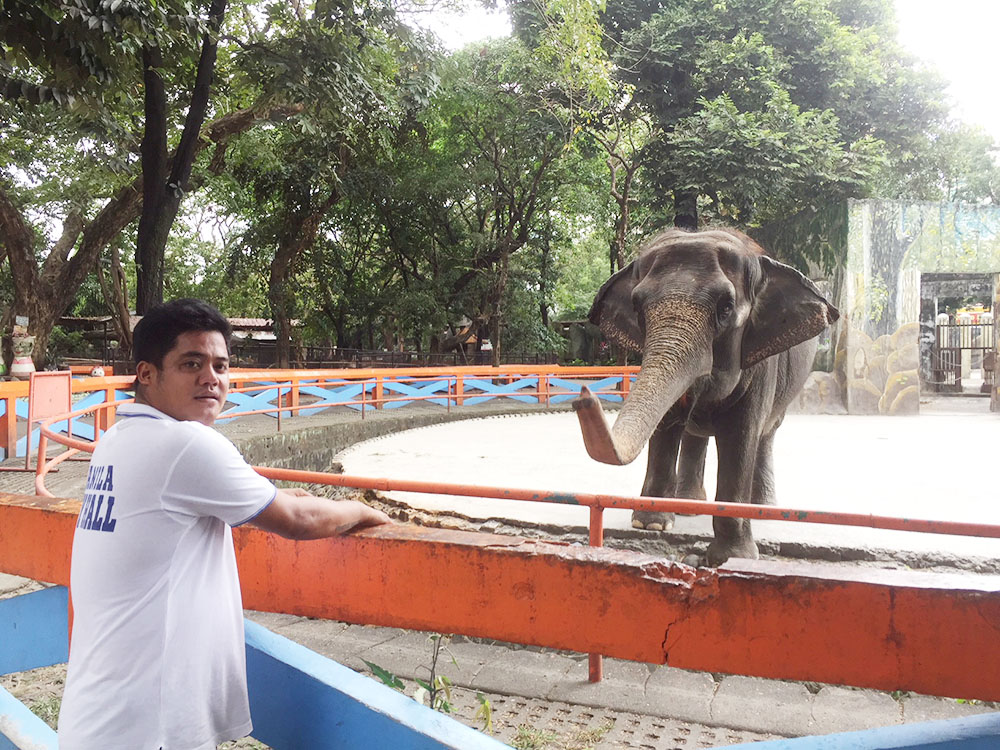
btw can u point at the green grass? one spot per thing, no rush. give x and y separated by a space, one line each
47 710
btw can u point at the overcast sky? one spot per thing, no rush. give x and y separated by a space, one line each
960 38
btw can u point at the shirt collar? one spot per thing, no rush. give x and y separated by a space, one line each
142 410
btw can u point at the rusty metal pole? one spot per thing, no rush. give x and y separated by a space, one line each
596 661
43 449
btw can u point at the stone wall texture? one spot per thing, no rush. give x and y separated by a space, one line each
868 257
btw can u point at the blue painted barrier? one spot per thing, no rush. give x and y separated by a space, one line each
34 630
972 733
300 699
19 728
33 634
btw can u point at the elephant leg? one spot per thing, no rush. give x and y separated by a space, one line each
763 472
661 477
736 439
691 467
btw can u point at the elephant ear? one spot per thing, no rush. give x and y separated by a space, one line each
614 313
788 310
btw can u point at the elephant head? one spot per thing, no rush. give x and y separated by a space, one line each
703 307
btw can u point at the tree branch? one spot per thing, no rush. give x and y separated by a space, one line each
187 148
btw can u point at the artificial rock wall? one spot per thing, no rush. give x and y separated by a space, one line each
868 256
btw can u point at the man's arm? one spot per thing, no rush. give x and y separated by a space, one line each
295 514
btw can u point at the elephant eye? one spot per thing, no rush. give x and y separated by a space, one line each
724 309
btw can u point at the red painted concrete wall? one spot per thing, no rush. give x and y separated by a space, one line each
884 629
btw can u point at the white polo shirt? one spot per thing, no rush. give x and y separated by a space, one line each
157 654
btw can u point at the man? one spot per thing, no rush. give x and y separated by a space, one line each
157 655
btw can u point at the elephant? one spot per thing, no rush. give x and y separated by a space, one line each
728 337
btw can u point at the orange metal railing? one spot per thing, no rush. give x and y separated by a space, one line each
597 502
374 380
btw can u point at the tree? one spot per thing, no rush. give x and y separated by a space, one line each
352 65
622 130
92 56
499 118
761 107
962 163
48 271
165 179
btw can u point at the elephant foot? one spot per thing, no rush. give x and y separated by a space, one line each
652 520
768 500
719 552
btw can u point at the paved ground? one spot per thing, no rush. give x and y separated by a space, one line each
541 698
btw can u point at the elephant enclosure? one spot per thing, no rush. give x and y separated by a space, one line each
907 466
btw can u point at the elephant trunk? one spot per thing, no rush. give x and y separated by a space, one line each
678 349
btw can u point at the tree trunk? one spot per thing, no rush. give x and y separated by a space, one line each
154 224
37 294
115 290
277 295
496 323
162 191
686 209
543 304
622 196
300 233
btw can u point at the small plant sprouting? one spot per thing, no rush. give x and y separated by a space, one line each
485 713
436 690
387 678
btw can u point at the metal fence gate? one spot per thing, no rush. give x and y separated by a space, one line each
963 352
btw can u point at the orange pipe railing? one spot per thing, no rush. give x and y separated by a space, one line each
597 502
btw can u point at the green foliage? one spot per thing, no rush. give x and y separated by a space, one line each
500 184
63 343
387 678
529 738
582 268
485 713
47 709
80 59
963 164
571 41
768 106
435 691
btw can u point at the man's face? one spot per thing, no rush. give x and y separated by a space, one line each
193 381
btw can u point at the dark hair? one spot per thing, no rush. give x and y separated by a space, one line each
157 332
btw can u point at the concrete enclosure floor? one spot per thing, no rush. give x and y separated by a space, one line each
938 465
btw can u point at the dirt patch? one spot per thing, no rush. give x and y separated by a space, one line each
39 689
